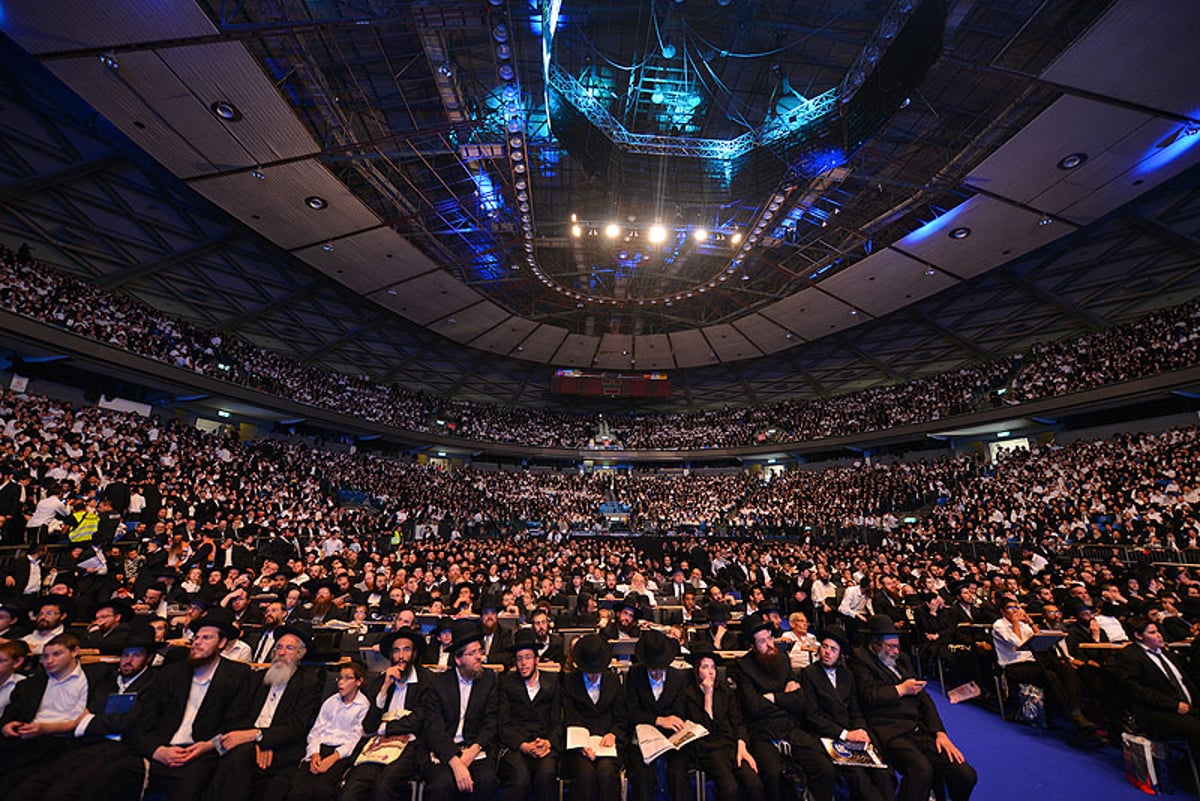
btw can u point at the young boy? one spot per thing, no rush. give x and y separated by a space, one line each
12 657
332 739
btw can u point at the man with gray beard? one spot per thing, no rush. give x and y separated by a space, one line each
904 719
257 762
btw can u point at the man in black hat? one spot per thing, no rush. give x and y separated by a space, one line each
263 646
905 720
284 705
593 700
654 697
461 717
835 713
625 626
497 641
437 651
12 626
776 710
717 636
397 699
549 645
531 708
192 702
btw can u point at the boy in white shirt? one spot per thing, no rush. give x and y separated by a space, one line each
332 739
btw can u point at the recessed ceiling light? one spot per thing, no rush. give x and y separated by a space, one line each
328 246
962 232
110 61
930 271
258 174
226 111
316 203
1072 161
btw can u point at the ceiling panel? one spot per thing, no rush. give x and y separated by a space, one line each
42 26
268 130
616 351
505 337
886 281
690 349
275 206
811 314
543 343
653 352
1155 68
471 322
369 262
577 350
431 297
766 335
999 233
729 343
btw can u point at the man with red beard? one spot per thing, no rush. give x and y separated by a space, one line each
189 706
776 708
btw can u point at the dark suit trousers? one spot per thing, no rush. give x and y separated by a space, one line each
107 769
238 776
643 778
1172 726
593 781
807 754
372 782
520 775
920 765
20 759
441 786
185 783
308 786
718 768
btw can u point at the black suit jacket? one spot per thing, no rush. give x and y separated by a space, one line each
500 652
639 700
523 720
765 719
479 722
27 695
888 713
414 702
833 708
725 725
111 643
226 705
294 715
114 722
603 717
554 650
1147 688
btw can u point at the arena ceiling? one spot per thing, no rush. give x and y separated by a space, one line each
470 157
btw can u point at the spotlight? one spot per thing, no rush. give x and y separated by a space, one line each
1046 220
700 234
445 70
658 97
657 234
576 231
1072 161
226 111
668 50
930 271
327 247
612 230
960 233
110 61
258 174
506 72
504 52
500 32
736 239
316 203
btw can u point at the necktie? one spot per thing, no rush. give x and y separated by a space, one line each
1180 690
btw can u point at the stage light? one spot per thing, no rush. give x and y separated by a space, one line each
657 234
736 239
700 234
612 230
576 231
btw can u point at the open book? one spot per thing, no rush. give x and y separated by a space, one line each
579 737
654 743
844 752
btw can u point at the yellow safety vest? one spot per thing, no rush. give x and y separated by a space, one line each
86 524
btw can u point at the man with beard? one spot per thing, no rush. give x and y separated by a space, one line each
105 758
256 761
654 696
192 702
625 627
397 703
110 629
835 713
530 707
461 722
548 646
776 707
50 618
496 641
908 728
264 646
322 609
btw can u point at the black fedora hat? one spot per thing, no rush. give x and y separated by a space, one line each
837 634
591 653
465 632
525 640
412 635
220 619
753 624
655 650
301 631
141 636
881 626
717 611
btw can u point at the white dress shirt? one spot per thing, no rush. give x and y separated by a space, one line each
1007 640
464 698
267 713
65 699
6 690
201 681
37 639
339 724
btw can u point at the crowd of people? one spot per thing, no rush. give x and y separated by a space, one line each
1162 341
180 555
